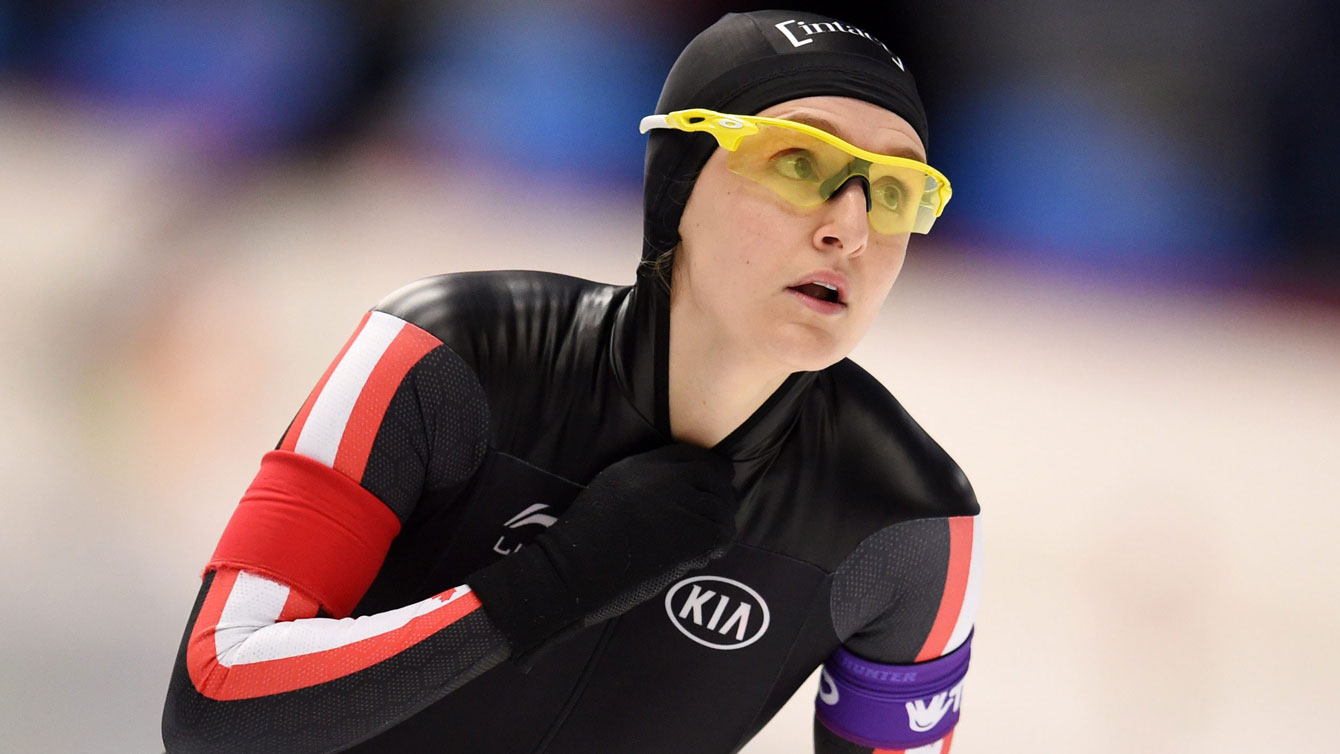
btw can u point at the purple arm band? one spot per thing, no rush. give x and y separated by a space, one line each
892 706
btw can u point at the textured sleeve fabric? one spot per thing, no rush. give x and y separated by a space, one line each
396 413
909 592
903 604
258 671
269 662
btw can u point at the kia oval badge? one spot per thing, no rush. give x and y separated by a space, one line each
717 612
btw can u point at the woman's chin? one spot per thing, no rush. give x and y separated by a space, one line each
807 349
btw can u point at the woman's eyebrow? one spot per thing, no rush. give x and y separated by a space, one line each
823 124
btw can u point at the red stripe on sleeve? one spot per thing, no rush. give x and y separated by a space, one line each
298 605
361 430
247 681
948 739
307 525
291 436
201 661
252 680
956 582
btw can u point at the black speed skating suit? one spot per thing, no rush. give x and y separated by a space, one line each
855 531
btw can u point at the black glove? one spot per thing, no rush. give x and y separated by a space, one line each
641 523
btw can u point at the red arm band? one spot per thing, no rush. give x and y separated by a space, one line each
309 526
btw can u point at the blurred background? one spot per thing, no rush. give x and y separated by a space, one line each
1126 327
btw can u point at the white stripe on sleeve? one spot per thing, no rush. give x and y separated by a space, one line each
254 605
967 614
320 438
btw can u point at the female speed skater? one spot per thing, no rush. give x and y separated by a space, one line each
524 512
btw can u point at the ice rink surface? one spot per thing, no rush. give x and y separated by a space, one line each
1156 466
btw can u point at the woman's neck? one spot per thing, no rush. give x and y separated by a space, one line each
713 387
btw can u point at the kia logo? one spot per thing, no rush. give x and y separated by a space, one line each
717 612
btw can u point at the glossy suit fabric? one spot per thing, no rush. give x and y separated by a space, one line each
830 471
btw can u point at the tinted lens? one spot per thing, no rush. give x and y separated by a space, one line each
792 164
796 166
902 199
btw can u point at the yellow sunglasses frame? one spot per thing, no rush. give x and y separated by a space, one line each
729 130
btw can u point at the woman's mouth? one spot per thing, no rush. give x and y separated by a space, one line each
819 297
822 291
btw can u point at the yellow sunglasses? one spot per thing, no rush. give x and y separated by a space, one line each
805 166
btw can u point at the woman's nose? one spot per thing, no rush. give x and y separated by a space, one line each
846 227
865 188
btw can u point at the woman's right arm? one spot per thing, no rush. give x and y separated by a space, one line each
269 661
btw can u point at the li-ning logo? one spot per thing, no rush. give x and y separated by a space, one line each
717 612
529 516
815 28
924 714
